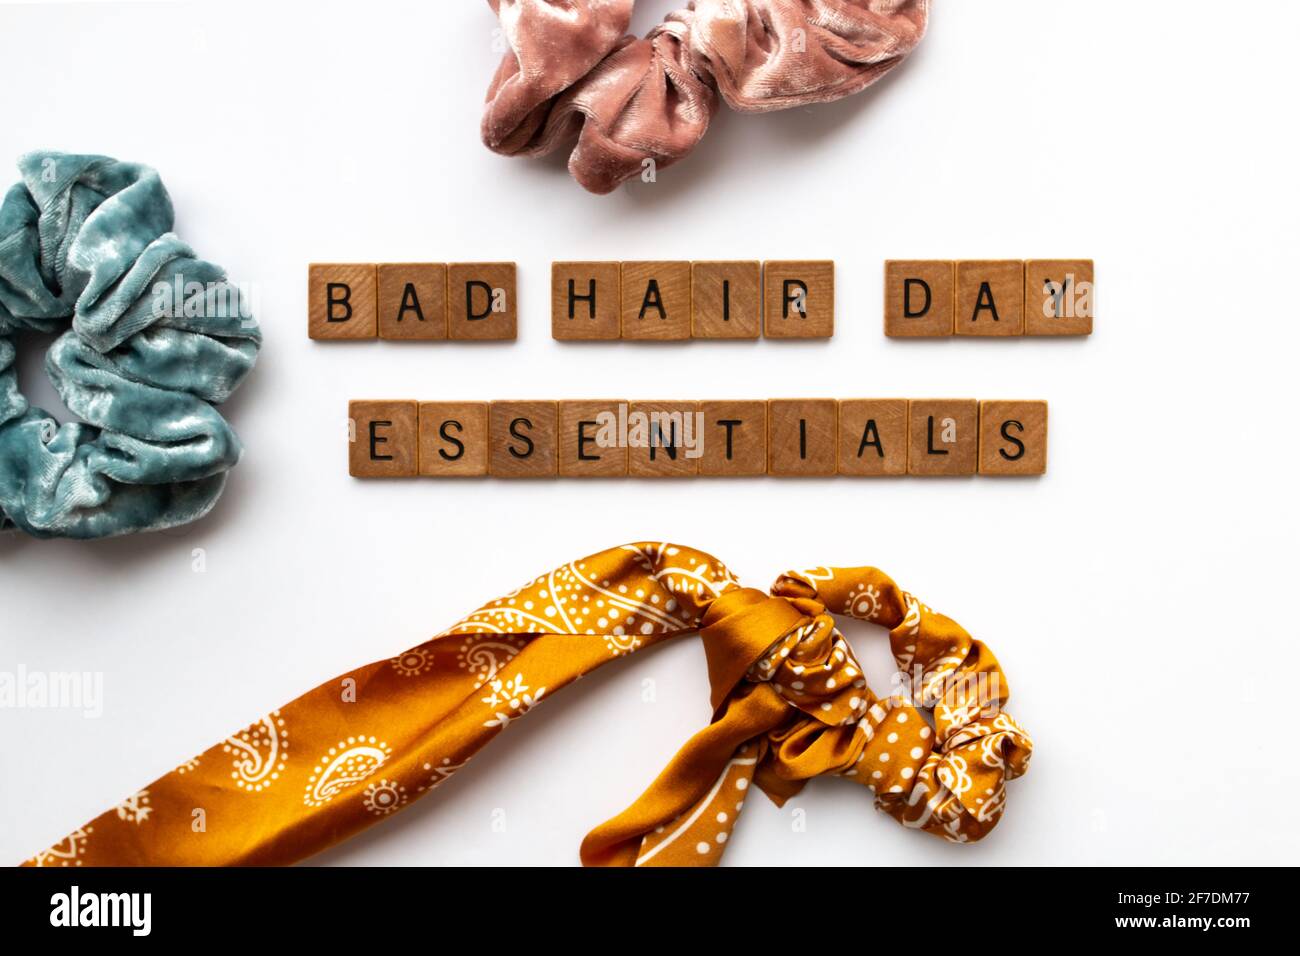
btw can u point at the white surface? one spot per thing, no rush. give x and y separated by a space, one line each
1138 596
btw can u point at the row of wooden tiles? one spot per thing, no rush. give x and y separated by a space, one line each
988 297
648 301
784 437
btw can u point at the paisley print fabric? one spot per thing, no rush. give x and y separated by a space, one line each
789 703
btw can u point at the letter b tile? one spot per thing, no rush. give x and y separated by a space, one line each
341 301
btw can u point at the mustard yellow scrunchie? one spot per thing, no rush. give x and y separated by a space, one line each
790 703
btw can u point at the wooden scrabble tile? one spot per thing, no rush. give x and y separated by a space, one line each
1013 438
873 436
453 439
801 436
382 439
726 300
585 302
662 438
990 297
799 299
522 437
919 297
412 300
943 436
481 301
341 301
735 439
656 300
581 454
1058 297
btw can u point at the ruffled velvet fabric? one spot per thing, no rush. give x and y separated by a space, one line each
86 247
573 78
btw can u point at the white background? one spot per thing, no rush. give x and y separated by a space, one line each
1139 596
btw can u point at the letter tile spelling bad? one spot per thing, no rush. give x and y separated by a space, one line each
412 301
341 301
481 302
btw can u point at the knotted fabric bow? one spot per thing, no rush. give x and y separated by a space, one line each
789 699
573 77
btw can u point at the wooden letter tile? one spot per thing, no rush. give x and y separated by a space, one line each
943 436
990 297
801 439
873 436
671 433
585 302
918 298
523 439
726 300
581 454
735 439
657 300
481 300
453 439
799 300
382 439
412 300
1058 297
341 301
1013 438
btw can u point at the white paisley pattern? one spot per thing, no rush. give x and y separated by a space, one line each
574 600
484 656
259 752
343 767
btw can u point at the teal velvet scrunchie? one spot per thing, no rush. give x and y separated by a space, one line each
87 240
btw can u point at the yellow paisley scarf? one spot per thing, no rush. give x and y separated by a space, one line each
790 703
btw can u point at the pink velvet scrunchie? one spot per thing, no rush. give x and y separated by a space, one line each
573 75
